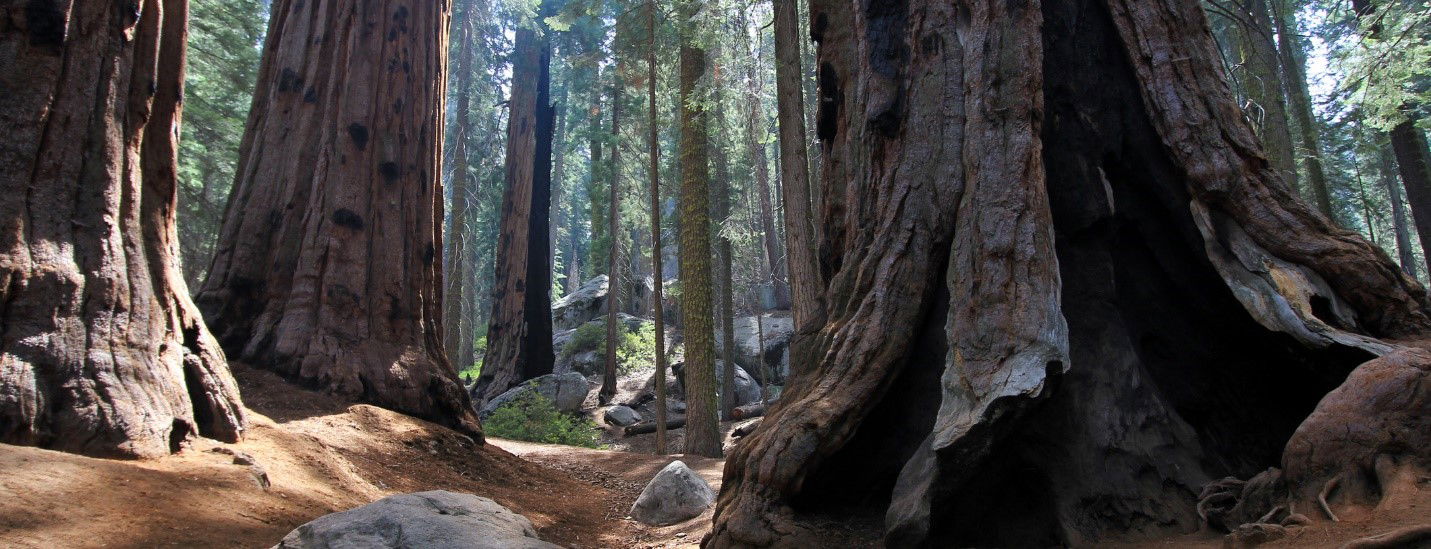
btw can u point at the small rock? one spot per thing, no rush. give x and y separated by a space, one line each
621 416
1256 533
241 458
676 493
260 476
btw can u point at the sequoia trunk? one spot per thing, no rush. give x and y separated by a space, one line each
1018 196
519 332
101 350
328 268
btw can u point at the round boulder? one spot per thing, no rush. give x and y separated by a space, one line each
676 494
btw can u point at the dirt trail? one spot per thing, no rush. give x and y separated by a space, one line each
322 456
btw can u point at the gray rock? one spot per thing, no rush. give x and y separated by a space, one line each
581 306
676 493
747 391
566 391
424 520
777 327
622 416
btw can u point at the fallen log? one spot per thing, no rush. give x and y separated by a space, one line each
748 411
650 426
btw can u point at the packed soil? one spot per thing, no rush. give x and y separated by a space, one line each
321 455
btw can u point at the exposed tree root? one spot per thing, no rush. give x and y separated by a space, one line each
1268 517
1404 538
1326 491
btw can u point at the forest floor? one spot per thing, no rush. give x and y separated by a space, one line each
322 456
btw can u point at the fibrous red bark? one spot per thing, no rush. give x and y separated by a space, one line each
519 330
1065 287
328 268
101 350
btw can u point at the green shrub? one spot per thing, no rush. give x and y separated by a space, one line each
533 418
636 350
470 373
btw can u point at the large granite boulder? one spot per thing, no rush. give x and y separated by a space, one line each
424 520
581 306
777 327
566 391
747 391
676 494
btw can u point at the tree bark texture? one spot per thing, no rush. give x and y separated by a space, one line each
697 313
658 289
101 350
1413 159
807 307
1263 83
1065 288
613 287
1389 180
329 263
519 332
455 277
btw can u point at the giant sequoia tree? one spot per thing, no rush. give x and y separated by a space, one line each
328 268
1066 289
101 351
519 332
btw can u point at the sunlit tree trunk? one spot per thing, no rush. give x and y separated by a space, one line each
102 351
614 281
702 424
329 264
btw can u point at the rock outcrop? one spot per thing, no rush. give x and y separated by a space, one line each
423 520
566 391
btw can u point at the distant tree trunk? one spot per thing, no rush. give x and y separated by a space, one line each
1294 71
559 176
1263 85
703 425
988 384
519 331
456 253
755 134
573 262
721 189
1409 146
807 308
613 286
1412 156
328 269
101 351
598 223
657 300
1404 250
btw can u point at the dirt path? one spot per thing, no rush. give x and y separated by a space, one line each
320 457
624 474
